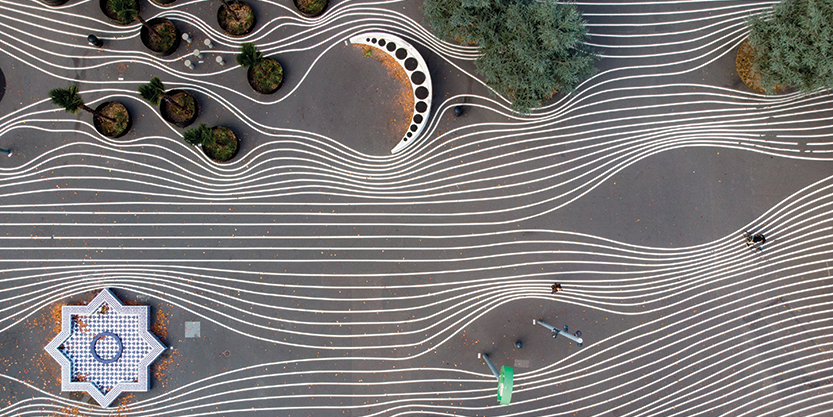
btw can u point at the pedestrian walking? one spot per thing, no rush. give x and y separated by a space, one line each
757 240
556 288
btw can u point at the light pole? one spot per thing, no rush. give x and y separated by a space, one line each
505 380
489 362
556 332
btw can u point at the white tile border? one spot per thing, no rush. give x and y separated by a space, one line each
105 296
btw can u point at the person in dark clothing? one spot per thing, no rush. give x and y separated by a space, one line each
757 240
556 288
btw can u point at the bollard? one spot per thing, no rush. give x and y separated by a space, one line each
188 64
458 111
186 38
8 152
197 54
491 365
220 61
94 41
556 332
208 43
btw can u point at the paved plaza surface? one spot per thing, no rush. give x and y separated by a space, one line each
317 274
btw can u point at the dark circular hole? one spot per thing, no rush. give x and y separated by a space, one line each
417 118
418 77
421 93
411 64
409 134
401 53
413 128
404 139
391 46
381 42
373 40
421 106
367 39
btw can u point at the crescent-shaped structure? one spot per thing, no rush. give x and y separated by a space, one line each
411 61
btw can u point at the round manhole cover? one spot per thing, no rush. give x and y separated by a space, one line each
121 68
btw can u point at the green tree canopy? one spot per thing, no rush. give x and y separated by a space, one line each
126 10
249 56
793 45
530 49
152 91
201 135
68 99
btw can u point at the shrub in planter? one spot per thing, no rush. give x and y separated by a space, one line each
178 107
110 119
160 36
219 143
311 8
113 110
121 12
236 18
265 74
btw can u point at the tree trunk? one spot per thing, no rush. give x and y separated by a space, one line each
151 31
98 114
170 100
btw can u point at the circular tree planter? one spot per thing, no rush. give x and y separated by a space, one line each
113 110
266 77
223 145
54 2
167 40
311 8
743 64
108 11
239 21
177 116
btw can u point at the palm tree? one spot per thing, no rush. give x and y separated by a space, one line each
249 56
155 91
267 71
127 11
69 99
198 136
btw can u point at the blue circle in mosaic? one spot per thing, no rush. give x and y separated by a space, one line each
98 337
